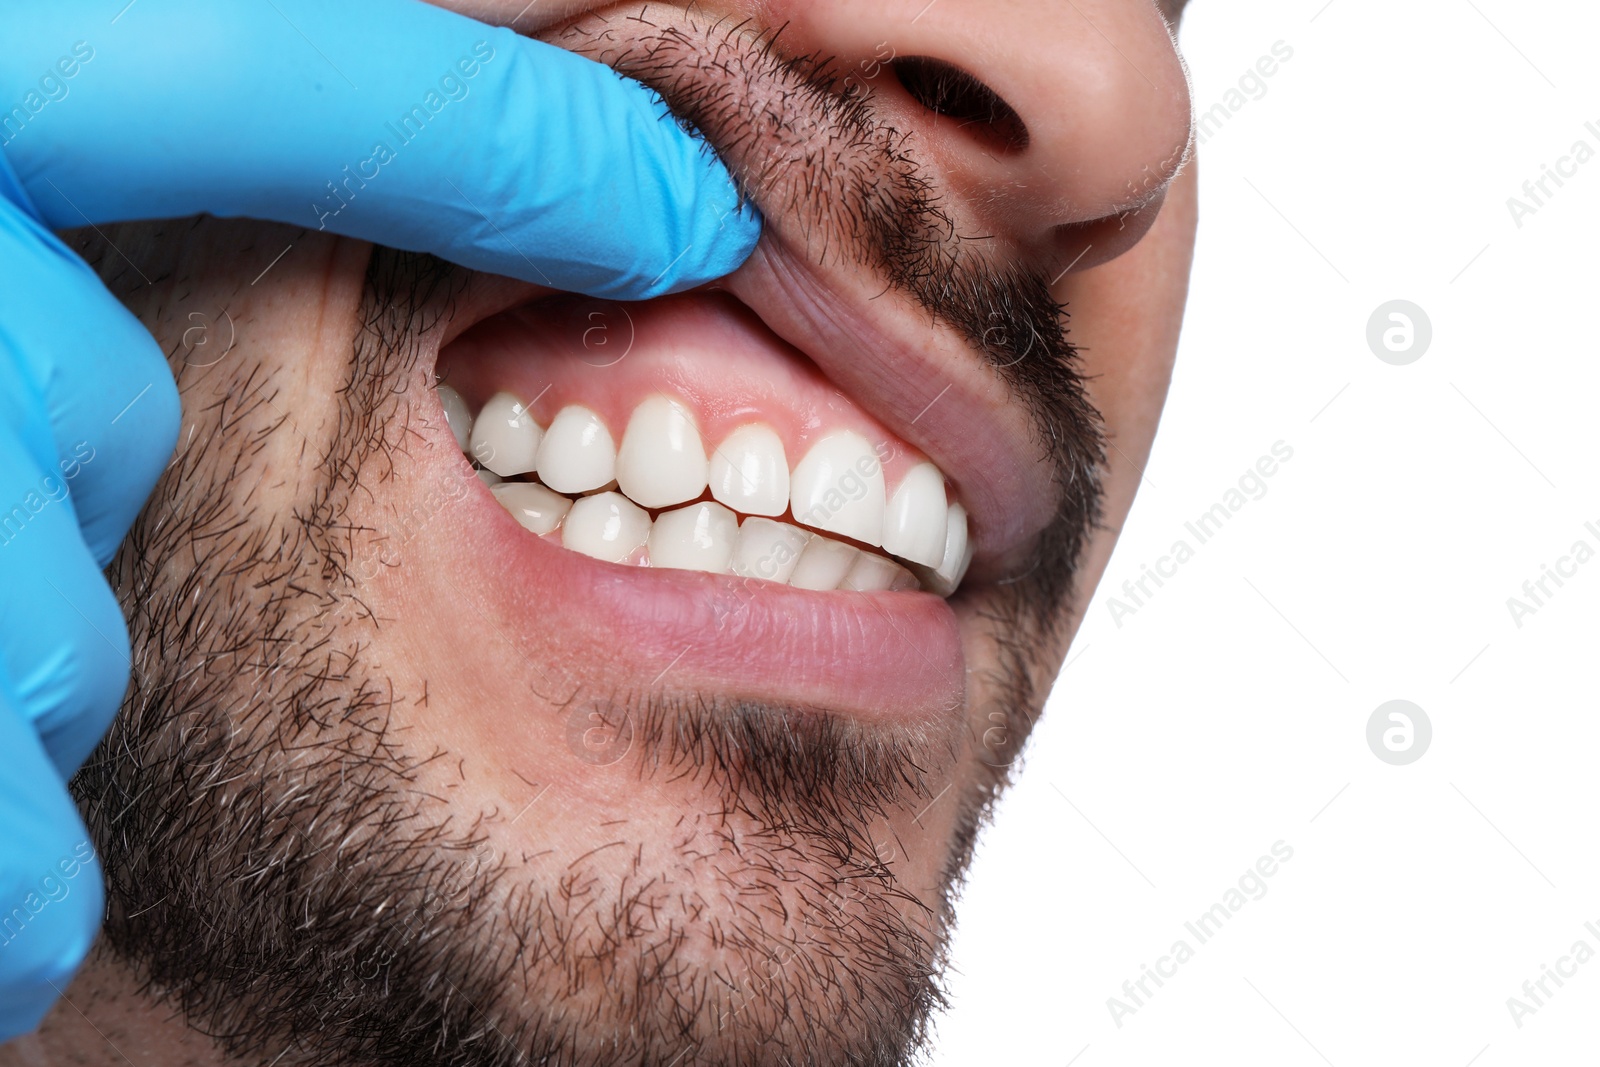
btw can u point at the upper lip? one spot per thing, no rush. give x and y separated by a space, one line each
919 377
923 384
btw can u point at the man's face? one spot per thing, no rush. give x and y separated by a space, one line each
401 780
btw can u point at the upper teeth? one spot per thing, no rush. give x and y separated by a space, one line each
505 439
662 461
837 486
914 524
749 471
576 454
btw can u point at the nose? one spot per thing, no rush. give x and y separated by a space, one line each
1058 123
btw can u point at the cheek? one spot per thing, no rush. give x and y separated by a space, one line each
1126 317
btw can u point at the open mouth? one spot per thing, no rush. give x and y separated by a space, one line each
670 487
680 433
803 484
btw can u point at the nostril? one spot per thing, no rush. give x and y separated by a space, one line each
946 89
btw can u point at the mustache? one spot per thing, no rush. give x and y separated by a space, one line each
809 148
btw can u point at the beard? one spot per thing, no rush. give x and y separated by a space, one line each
281 869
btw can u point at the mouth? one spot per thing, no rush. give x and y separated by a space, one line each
681 433
672 479
791 486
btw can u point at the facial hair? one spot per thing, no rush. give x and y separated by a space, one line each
276 870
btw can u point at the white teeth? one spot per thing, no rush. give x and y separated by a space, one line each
699 537
456 415
956 556
914 526
662 461
838 487
607 526
577 453
749 471
871 573
944 578
535 507
768 549
505 439
823 564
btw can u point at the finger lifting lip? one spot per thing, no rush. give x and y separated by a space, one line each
919 378
887 656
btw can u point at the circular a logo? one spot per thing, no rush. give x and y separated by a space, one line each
605 332
1399 732
599 734
1003 737
997 741
205 342
1399 332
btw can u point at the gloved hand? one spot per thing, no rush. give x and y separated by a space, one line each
387 120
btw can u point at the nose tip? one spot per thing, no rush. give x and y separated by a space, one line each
1056 122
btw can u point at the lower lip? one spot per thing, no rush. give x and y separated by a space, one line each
880 657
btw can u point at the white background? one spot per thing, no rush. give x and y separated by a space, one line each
1229 712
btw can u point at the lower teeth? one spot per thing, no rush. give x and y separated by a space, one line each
536 508
703 536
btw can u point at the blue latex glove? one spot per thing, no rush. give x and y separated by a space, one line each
387 120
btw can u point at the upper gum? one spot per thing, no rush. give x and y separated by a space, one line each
699 350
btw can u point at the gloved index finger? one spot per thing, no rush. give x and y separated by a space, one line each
389 120
84 383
